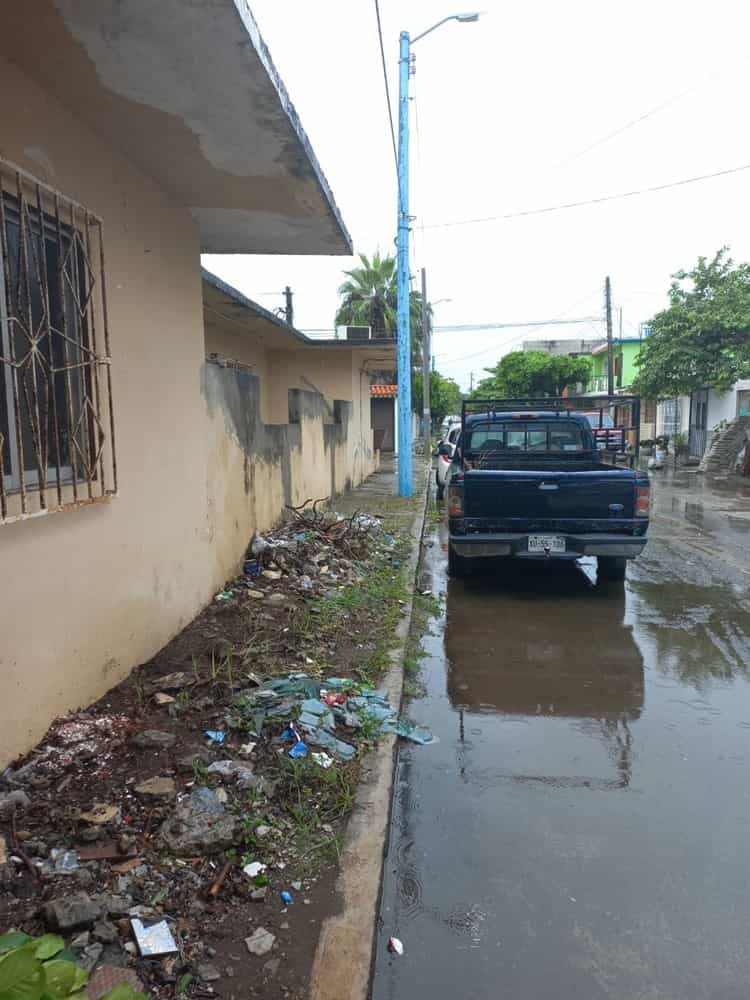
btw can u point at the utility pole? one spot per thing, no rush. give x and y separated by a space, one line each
471 381
610 353
288 308
426 415
402 274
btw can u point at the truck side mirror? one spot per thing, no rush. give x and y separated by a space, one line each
445 449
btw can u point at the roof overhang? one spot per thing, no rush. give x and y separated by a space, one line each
224 302
188 91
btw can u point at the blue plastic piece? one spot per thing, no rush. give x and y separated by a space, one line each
216 735
286 897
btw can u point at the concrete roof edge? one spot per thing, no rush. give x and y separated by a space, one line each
242 300
285 100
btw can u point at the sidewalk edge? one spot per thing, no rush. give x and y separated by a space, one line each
344 955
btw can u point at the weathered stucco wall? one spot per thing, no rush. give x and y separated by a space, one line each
317 442
88 594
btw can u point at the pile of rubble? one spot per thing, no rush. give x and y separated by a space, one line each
167 817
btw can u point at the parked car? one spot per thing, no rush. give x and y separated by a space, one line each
528 484
445 452
608 436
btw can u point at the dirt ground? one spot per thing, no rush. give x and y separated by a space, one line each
322 606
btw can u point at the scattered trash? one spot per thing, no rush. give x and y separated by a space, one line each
286 897
299 749
61 862
247 748
215 735
254 869
395 947
154 939
225 595
252 567
322 759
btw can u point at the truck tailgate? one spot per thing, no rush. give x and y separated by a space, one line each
600 493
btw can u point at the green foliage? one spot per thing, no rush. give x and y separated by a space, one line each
35 969
703 337
368 298
534 373
445 395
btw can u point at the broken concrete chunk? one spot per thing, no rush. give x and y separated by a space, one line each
154 739
91 956
171 682
260 942
188 763
13 801
208 973
156 788
72 912
234 770
101 813
262 831
200 825
105 932
258 895
160 698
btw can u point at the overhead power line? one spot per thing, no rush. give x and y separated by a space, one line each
588 201
385 80
628 125
513 326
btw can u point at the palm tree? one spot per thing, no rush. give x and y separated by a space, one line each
368 298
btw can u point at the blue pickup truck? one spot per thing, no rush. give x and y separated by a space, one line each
529 482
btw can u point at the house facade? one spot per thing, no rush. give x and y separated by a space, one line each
700 413
136 461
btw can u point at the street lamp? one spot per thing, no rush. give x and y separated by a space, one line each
405 477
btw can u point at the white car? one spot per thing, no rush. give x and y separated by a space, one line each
445 452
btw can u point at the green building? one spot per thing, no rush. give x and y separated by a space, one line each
624 352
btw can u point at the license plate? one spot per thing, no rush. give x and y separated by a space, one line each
546 543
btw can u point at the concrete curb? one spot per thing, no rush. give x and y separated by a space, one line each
343 958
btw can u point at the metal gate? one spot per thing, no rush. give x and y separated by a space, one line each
698 435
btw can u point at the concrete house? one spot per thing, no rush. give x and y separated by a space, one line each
150 417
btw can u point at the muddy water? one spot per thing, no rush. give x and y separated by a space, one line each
582 830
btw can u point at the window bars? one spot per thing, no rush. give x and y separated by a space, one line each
57 433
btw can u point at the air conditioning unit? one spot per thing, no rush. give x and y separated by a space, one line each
354 332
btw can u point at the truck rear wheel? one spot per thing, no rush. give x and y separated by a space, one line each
612 568
457 565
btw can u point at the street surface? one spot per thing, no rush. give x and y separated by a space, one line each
582 830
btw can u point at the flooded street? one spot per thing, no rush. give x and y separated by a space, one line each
582 829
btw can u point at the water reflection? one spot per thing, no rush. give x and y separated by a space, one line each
699 633
544 643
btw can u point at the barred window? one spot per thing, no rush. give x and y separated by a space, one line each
56 418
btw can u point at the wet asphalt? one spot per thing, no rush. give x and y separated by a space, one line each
582 829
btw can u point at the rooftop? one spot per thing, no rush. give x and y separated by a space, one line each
188 91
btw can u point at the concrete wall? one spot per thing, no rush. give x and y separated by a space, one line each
90 593
283 426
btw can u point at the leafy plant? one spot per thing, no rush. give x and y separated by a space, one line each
42 969
445 396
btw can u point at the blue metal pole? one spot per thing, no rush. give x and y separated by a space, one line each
402 277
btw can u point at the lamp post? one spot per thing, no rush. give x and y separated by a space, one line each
405 473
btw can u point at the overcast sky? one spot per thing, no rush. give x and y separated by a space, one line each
504 113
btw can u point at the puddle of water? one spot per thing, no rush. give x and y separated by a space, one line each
581 829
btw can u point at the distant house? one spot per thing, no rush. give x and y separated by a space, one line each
698 414
572 347
624 357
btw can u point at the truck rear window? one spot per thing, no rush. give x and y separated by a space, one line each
516 436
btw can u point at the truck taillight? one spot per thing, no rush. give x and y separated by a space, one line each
455 501
642 501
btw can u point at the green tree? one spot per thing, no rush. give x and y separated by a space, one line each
703 337
534 373
445 396
368 298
